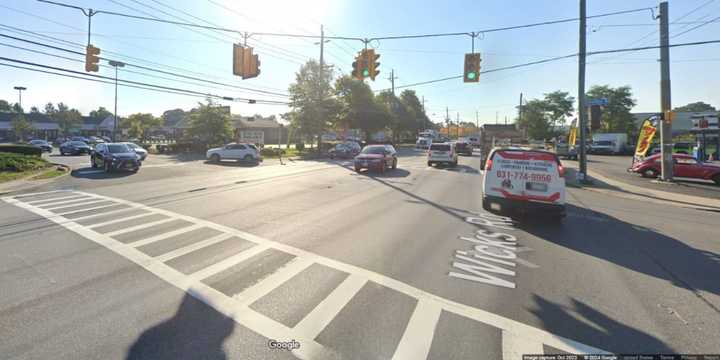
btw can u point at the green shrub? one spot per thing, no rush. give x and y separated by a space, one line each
17 162
271 152
300 146
21 149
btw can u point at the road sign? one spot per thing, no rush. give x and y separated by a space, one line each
598 102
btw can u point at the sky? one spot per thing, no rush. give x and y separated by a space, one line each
207 55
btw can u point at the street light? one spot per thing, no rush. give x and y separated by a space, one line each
116 65
20 90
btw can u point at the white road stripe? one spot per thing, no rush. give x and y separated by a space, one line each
101 214
266 326
109 222
86 209
192 247
53 203
38 202
138 227
272 281
79 203
22 196
415 342
225 264
314 322
163 236
514 346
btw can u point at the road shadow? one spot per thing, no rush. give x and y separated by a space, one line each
458 168
196 331
634 248
233 163
604 333
388 174
99 174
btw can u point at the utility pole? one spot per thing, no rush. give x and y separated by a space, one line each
447 121
457 123
505 119
392 83
582 110
116 65
524 128
496 118
477 120
322 90
666 145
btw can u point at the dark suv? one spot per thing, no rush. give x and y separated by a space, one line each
114 156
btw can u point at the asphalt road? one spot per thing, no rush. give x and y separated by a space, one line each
211 261
615 167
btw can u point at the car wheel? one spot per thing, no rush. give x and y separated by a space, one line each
215 158
136 170
454 163
394 165
382 168
486 205
107 166
249 159
429 163
716 179
650 173
92 163
357 169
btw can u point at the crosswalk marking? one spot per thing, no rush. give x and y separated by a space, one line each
224 264
192 247
272 281
51 200
138 227
518 338
163 236
85 209
415 342
75 203
113 221
314 322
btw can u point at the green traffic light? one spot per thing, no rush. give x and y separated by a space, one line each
366 72
471 75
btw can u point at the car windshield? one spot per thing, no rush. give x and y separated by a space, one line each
118 148
373 150
38 142
133 146
440 147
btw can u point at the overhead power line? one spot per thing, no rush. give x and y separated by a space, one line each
182 23
161 87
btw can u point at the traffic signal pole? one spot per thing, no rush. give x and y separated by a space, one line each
666 145
582 110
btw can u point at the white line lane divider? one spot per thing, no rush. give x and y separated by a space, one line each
121 219
192 247
138 227
76 203
417 332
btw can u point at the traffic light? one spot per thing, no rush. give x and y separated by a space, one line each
92 58
245 64
372 62
361 66
472 68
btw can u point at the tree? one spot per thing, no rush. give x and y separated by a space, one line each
312 109
210 124
395 113
616 116
20 126
67 119
5 106
138 124
535 120
420 119
358 107
558 105
695 107
101 112
17 108
34 110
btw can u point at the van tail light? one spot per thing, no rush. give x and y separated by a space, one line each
488 165
561 171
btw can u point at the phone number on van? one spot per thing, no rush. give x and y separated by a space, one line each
518 175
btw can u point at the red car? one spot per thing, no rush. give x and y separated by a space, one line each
376 157
684 166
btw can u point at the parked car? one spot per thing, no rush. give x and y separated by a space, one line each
684 166
346 150
114 156
138 150
463 148
75 148
241 152
442 153
524 179
376 157
80 138
92 140
106 138
42 144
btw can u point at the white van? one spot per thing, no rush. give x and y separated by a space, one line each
442 153
524 179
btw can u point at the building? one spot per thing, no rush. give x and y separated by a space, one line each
45 127
253 129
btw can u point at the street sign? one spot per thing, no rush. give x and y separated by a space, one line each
598 102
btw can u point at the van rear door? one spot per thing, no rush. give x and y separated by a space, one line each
526 175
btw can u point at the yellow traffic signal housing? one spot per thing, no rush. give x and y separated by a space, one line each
245 64
238 57
373 64
472 68
361 66
92 58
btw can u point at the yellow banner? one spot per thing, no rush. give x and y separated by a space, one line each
572 137
647 132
